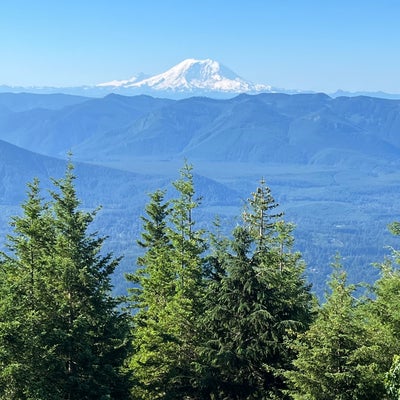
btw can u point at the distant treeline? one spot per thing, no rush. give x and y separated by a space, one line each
207 316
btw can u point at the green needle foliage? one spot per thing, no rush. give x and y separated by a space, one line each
213 318
27 302
337 355
384 315
260 301
92 333
167 299
154 342
61 335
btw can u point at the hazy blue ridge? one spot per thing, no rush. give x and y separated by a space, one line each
332 163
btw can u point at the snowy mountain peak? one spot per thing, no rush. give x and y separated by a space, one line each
123 83
192 75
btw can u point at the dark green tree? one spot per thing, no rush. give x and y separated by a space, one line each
336 357
382 322
387 291
260 217
26 303
62 335
90 333
384 317
261 301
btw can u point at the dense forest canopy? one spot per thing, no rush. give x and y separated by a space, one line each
207 316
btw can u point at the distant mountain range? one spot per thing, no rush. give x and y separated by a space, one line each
297 129
333 163
188 78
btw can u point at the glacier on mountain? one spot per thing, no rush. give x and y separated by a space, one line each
192 75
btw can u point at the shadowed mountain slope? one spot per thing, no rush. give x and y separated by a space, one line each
54 132
29 101
302 129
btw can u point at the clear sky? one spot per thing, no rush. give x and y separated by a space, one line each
320 45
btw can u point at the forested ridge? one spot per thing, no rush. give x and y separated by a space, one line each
207 316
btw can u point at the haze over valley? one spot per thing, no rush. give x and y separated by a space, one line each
332 163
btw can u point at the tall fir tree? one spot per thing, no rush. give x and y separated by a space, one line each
154 343
91 333
167 298
260 217
57 309
26 303
336 357
262 300
189 246
384 318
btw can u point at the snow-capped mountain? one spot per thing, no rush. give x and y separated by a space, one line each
191 76
123 83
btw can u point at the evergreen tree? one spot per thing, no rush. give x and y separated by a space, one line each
153 343
336 356
260 302
155 273
167 298
214 265
382 317
189 246
61 335
387 291
260 218
90 333
26 303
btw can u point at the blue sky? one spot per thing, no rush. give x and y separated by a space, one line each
316 45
